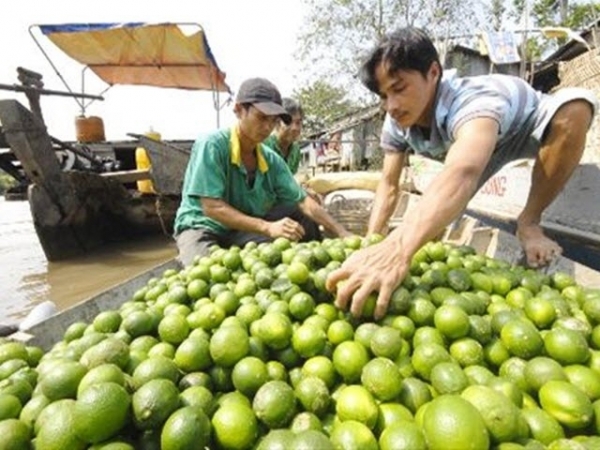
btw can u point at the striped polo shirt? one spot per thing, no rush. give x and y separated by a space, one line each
508 100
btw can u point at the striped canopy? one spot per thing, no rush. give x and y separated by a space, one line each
163 55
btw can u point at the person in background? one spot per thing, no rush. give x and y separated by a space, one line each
236 190
284 139
475 125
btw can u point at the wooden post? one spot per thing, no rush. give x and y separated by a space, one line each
29 78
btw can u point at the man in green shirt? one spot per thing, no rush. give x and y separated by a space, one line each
284 139
236 190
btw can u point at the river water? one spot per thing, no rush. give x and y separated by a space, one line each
26 278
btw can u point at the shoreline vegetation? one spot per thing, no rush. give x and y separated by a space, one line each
6 182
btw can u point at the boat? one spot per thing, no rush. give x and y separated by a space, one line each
84 193
485 240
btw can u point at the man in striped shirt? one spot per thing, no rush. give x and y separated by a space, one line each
474 125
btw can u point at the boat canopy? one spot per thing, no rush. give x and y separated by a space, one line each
162 55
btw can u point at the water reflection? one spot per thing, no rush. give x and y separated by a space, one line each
26 278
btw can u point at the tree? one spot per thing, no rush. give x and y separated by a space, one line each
337 34
554 13
322 104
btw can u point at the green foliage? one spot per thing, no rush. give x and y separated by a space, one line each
322 104
337 34
6 182
552 13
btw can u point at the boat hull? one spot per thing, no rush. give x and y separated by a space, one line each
77 211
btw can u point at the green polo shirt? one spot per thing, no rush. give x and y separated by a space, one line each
215 170
293 157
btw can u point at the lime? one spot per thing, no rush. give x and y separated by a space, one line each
382 378
154 402
402 434
186 428
500 415
322 367
222 351
450 421
235 426
193 355
313 395
448 378
521 338
275 404
540 370
542 426
425 356
414 393
14 435
305 421
308 340
298 273
101 411
351 434
387 342
349 358
107 321
155 367
249 374
566 346
567 404
280 439
10 407
62 381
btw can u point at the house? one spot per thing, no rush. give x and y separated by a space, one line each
350 143
470 62
546 74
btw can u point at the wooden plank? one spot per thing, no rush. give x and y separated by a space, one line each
128 176
31 144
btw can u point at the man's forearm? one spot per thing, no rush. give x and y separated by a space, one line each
235 219
445 198
316 212
384 205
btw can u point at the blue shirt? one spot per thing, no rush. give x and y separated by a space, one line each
508 100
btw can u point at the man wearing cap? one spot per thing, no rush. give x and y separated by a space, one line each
236 190
284 139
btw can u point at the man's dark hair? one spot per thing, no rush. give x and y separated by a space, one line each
292 107
404 49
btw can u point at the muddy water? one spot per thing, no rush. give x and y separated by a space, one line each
26 278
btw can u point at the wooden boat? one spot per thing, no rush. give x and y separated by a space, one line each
489 241
51 330
83 194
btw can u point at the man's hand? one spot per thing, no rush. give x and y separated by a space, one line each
286 228
378 268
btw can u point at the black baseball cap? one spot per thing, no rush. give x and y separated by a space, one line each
264 96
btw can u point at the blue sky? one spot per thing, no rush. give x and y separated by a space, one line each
248 38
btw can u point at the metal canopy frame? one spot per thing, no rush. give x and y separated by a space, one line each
81 101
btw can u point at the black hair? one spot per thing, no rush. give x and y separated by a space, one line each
404 49
292 107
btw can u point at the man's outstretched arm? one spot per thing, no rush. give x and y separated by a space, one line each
382 267
388 190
